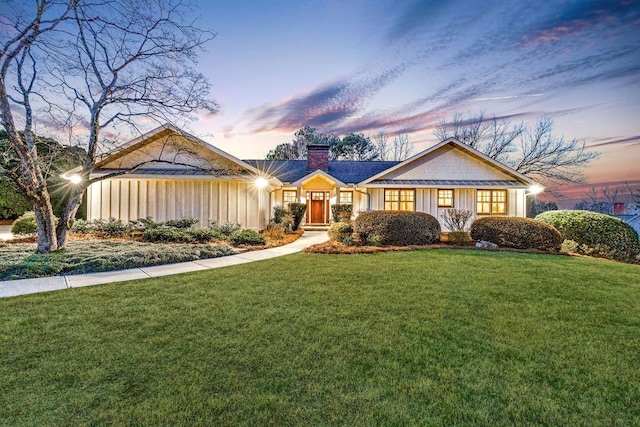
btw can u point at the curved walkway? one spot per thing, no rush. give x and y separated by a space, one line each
12 288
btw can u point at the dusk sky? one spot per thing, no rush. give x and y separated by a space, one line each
402 66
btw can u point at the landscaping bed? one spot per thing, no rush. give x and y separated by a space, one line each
87 253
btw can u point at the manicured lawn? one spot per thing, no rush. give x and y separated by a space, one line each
438 337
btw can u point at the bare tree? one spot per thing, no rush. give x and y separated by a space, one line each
92 65
381 142
536 151
402 147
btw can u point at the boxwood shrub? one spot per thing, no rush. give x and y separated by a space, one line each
519 233
397 228
597 234
25 224
341 232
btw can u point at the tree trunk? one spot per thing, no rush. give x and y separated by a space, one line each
68 216
47 239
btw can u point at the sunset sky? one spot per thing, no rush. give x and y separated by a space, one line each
402 66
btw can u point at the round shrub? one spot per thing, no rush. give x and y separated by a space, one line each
397 228
519 233
26 225
247 237
599 234
341 232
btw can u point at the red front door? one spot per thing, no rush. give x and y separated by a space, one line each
317 207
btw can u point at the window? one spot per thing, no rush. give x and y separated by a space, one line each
289 196
399 200
491 202
346 197
445 198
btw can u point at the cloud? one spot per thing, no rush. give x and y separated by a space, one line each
578 17
601 142
325 106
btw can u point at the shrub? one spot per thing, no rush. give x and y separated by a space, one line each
519 233
397 228
456 219
597 234
459 238
182 223
203 235
341 212
226 228
274 231
111 227
167 235
297 211
247 237
279 212
25 224
341 232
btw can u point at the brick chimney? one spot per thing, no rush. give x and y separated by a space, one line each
317 157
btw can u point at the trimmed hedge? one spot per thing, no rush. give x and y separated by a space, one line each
397 228
297 211
341 232
519 233
596 233
341 212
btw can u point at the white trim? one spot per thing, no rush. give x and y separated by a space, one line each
456 143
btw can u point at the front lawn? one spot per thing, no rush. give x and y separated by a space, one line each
434 337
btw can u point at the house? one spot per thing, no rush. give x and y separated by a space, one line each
168 174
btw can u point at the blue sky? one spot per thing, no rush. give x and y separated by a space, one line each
402 66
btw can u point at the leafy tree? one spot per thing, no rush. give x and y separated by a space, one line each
91 65
354 147
532 151
297 148
537 207
12 203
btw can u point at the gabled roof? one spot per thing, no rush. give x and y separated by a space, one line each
348 172
163 131
455 143
318 173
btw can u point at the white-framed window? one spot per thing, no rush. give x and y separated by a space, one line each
491 202
289 196
445 198
399 199
346 197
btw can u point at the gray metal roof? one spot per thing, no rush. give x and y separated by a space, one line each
349 172
156 171
449 182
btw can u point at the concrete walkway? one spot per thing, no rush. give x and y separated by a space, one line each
5 232
12 288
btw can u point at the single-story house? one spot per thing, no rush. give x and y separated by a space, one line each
169 174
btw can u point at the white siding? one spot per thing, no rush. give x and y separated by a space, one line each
130 199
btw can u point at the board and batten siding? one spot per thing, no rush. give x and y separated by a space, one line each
463 198
162 199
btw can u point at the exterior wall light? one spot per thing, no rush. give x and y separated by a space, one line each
261 182
73 178
535 189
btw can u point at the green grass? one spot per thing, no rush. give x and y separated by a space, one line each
439 337
19 260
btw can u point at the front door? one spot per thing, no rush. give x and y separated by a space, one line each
317 207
